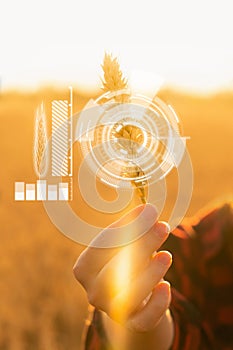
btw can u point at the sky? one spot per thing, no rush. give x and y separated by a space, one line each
187 44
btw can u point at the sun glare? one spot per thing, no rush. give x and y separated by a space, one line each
182 43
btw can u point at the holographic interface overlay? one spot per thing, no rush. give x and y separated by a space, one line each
153 149
45 159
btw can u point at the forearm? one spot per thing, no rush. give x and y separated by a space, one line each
160 338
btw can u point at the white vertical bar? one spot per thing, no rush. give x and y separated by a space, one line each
30 192
52 192
19 191
60 138
63 191
41 190
71 133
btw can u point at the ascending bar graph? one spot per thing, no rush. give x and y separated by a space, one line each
42 191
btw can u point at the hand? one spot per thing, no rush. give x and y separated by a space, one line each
127 282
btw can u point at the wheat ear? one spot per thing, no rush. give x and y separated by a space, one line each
114 81
40 156
113 78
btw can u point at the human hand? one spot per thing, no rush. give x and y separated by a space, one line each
127 282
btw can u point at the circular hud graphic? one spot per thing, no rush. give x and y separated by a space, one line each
126 141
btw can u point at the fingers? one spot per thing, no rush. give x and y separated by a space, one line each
132 296
119 279
131 260
133 224
119 296
147 318
145 246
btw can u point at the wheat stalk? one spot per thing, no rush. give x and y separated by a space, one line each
114 81
40 156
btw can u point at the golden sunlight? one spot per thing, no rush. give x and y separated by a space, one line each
121 283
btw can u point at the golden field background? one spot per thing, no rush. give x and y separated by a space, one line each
42 307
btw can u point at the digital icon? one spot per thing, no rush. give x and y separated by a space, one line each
141 133
61 149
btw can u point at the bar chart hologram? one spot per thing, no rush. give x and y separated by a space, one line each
58 186
41 191
60 138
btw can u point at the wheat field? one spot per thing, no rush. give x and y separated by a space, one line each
42 307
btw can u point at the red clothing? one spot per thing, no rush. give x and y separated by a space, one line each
202 285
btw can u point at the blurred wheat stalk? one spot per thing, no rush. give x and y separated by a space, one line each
114 81
40 156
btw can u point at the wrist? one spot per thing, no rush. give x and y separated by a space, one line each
161 337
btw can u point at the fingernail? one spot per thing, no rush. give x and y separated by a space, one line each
149 211
162 229
165 286
166 225
148 216
164 258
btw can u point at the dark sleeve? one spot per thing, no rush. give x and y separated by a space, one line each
202 301
202 255
190 331
94 335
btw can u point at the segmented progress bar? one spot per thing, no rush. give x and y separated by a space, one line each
60 138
